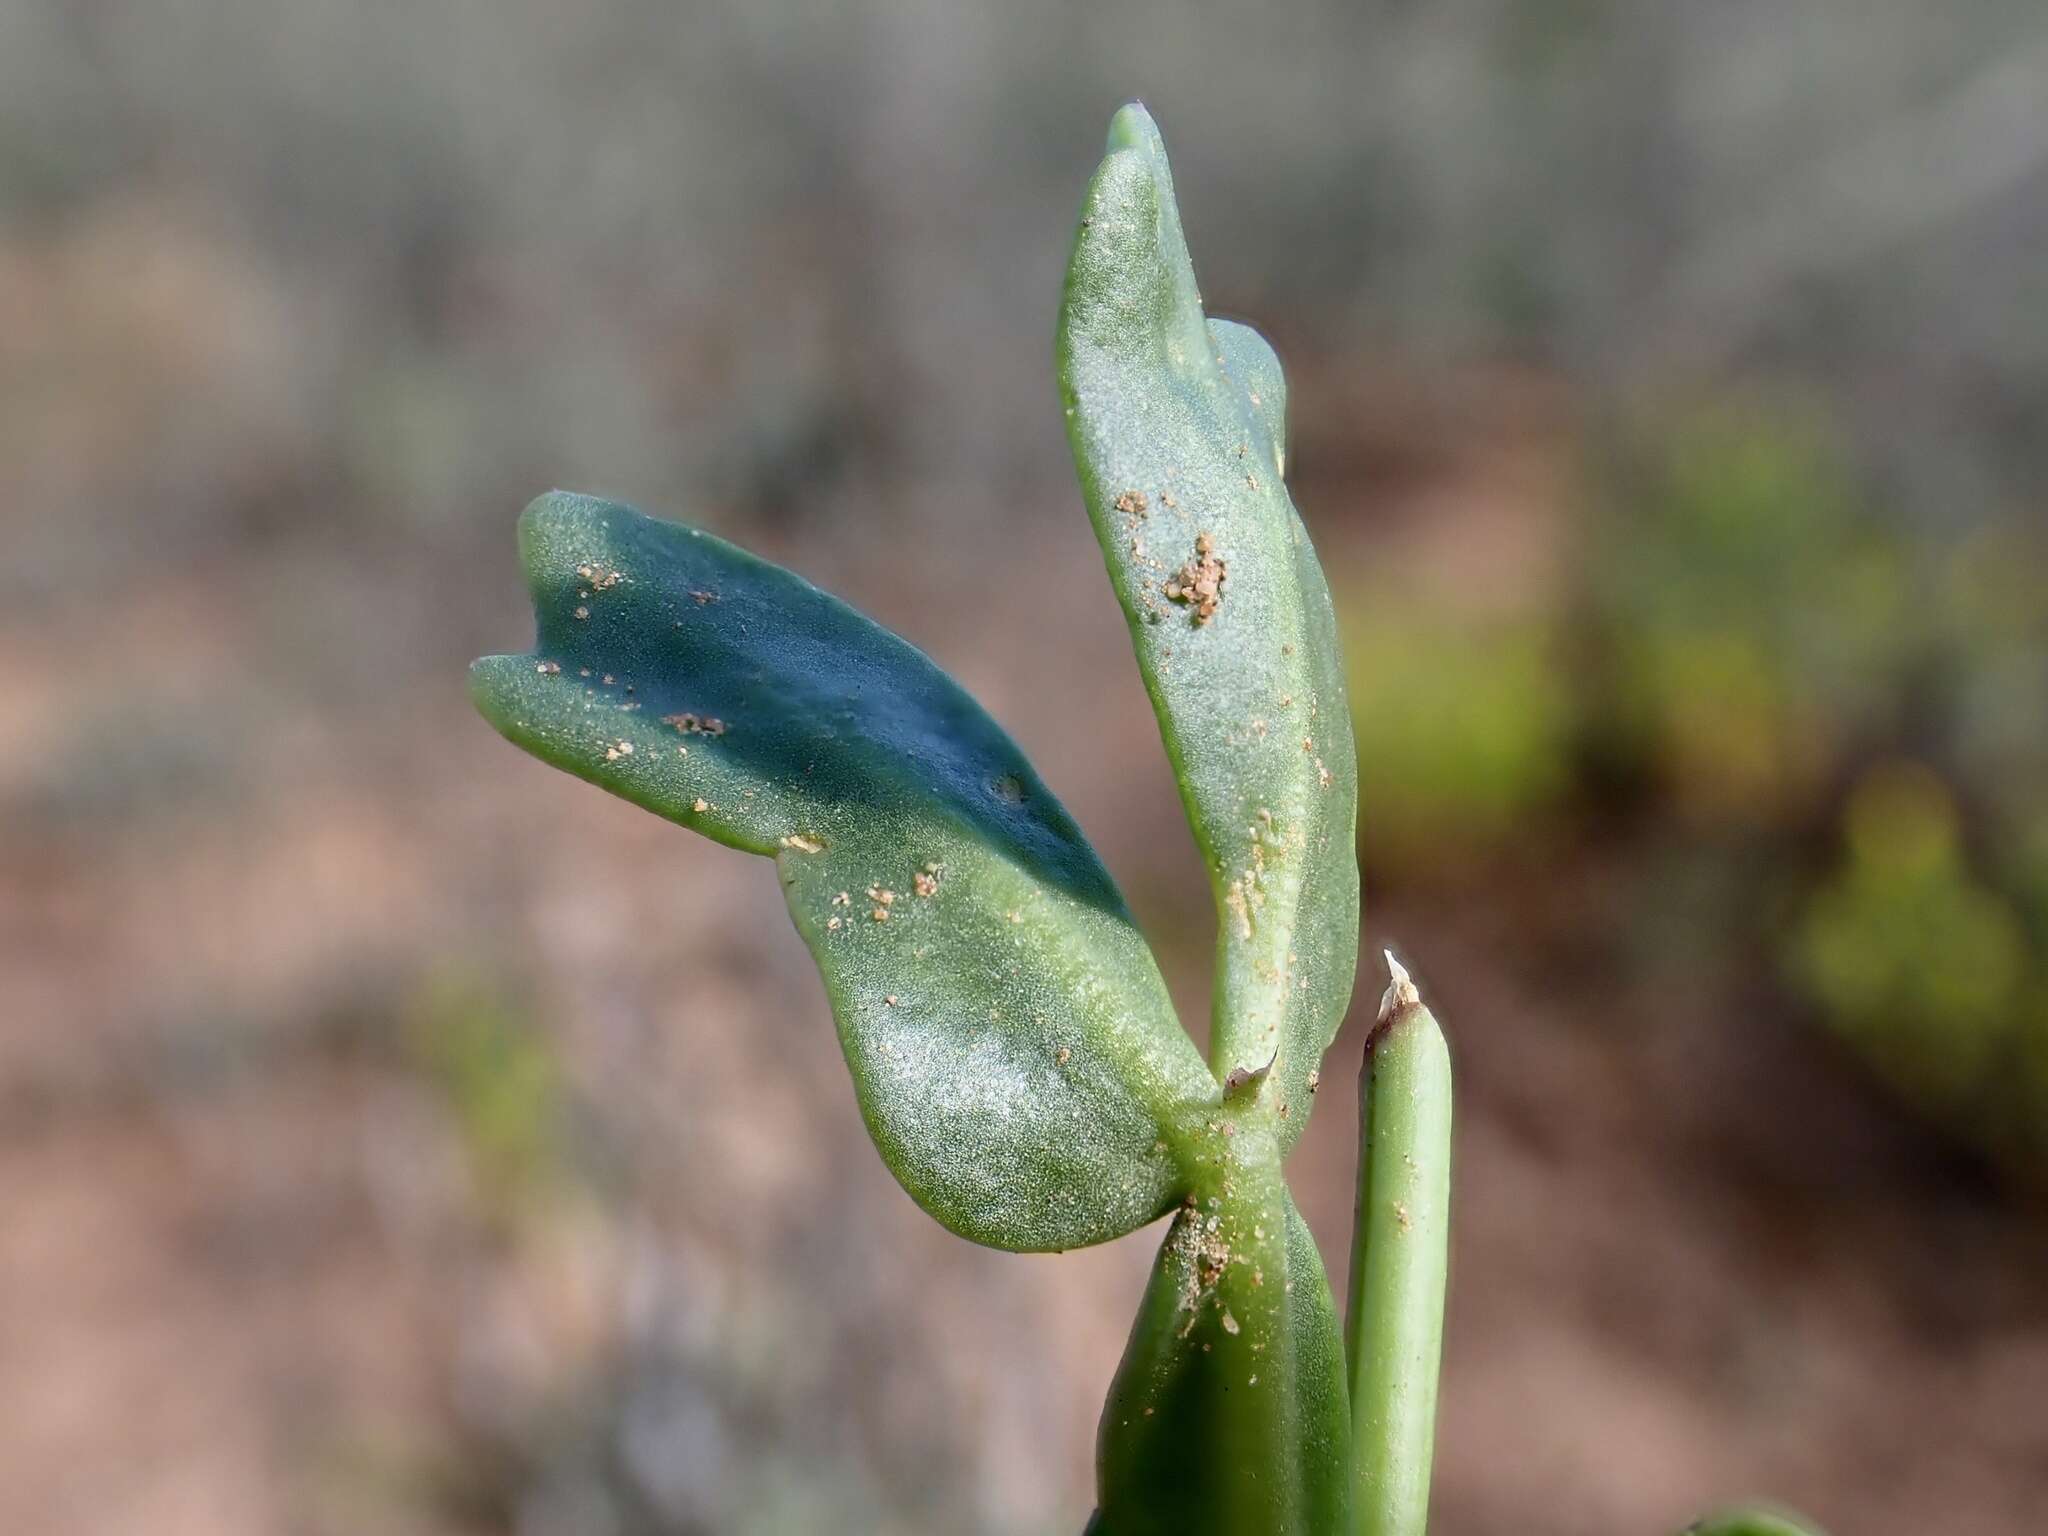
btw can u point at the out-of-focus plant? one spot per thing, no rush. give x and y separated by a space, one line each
1925 970
1473 727
500 1079
1749 621
1757 638
1010 1038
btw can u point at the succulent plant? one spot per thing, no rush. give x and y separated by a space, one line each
1015 1054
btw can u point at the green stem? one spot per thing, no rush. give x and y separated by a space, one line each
1398 1262
1227 1415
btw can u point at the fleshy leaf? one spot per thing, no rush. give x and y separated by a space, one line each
1012 1045
1399 1257
1228 1412
1178 429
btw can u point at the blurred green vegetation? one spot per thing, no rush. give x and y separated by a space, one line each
1925 970
1750 622
1469 729
502 1085
1760 657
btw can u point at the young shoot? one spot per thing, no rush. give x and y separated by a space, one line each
1011 1042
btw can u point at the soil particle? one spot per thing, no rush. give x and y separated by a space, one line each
694 725
1197 1241
1198 584
548 668
1133 503
1234 898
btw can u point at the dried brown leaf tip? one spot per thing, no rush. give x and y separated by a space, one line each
1401 991
1133 503
1199 583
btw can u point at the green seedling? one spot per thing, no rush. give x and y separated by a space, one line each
1011 1042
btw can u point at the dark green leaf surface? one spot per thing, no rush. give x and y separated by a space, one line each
1178 429
1012 1045
1228 1413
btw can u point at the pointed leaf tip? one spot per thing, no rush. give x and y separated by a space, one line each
1132 128
1177 426
1400 991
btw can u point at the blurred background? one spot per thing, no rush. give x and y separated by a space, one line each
1670 391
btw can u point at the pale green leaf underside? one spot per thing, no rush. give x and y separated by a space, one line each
1178 429
1012 1045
